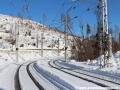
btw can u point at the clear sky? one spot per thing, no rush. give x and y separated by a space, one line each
53 8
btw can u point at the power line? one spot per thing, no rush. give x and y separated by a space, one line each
87 1
88 9
69 9
63 23
12 5
81 13
69 28
78 4
27 6
59 11
8 11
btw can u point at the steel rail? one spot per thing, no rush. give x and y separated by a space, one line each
17 79
89 74
97 83
33 79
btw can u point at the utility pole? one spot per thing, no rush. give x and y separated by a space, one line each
37 40
105 36
105 41
66 37
58 46
42 44
52 43
16 32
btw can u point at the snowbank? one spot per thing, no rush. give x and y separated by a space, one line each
114 61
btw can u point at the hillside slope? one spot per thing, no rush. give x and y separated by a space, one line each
29 34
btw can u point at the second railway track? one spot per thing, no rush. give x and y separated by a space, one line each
115 77
79 75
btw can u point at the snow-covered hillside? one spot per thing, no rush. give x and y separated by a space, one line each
29 34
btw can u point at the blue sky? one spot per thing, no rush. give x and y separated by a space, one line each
52 10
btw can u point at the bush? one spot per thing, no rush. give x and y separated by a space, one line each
34 44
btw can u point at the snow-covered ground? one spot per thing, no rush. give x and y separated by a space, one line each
50 78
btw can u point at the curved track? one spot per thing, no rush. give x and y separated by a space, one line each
78 74
115 77
52 80
97 73
17 79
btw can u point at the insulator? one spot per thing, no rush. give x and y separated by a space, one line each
76 17
96 35
98 6
74 7
88 9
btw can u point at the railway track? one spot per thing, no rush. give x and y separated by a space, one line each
17 80
84 71
52 80
84 76
18 85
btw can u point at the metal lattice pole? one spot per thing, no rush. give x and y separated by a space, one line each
106 45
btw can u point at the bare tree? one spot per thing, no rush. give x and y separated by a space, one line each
116 32
11 40
44 17
29 17
62 18
94 29
98 12
23 10
70 23
111 31
81 28
19 15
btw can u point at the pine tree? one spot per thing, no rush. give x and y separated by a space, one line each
88 30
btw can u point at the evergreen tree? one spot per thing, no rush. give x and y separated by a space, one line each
88 30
